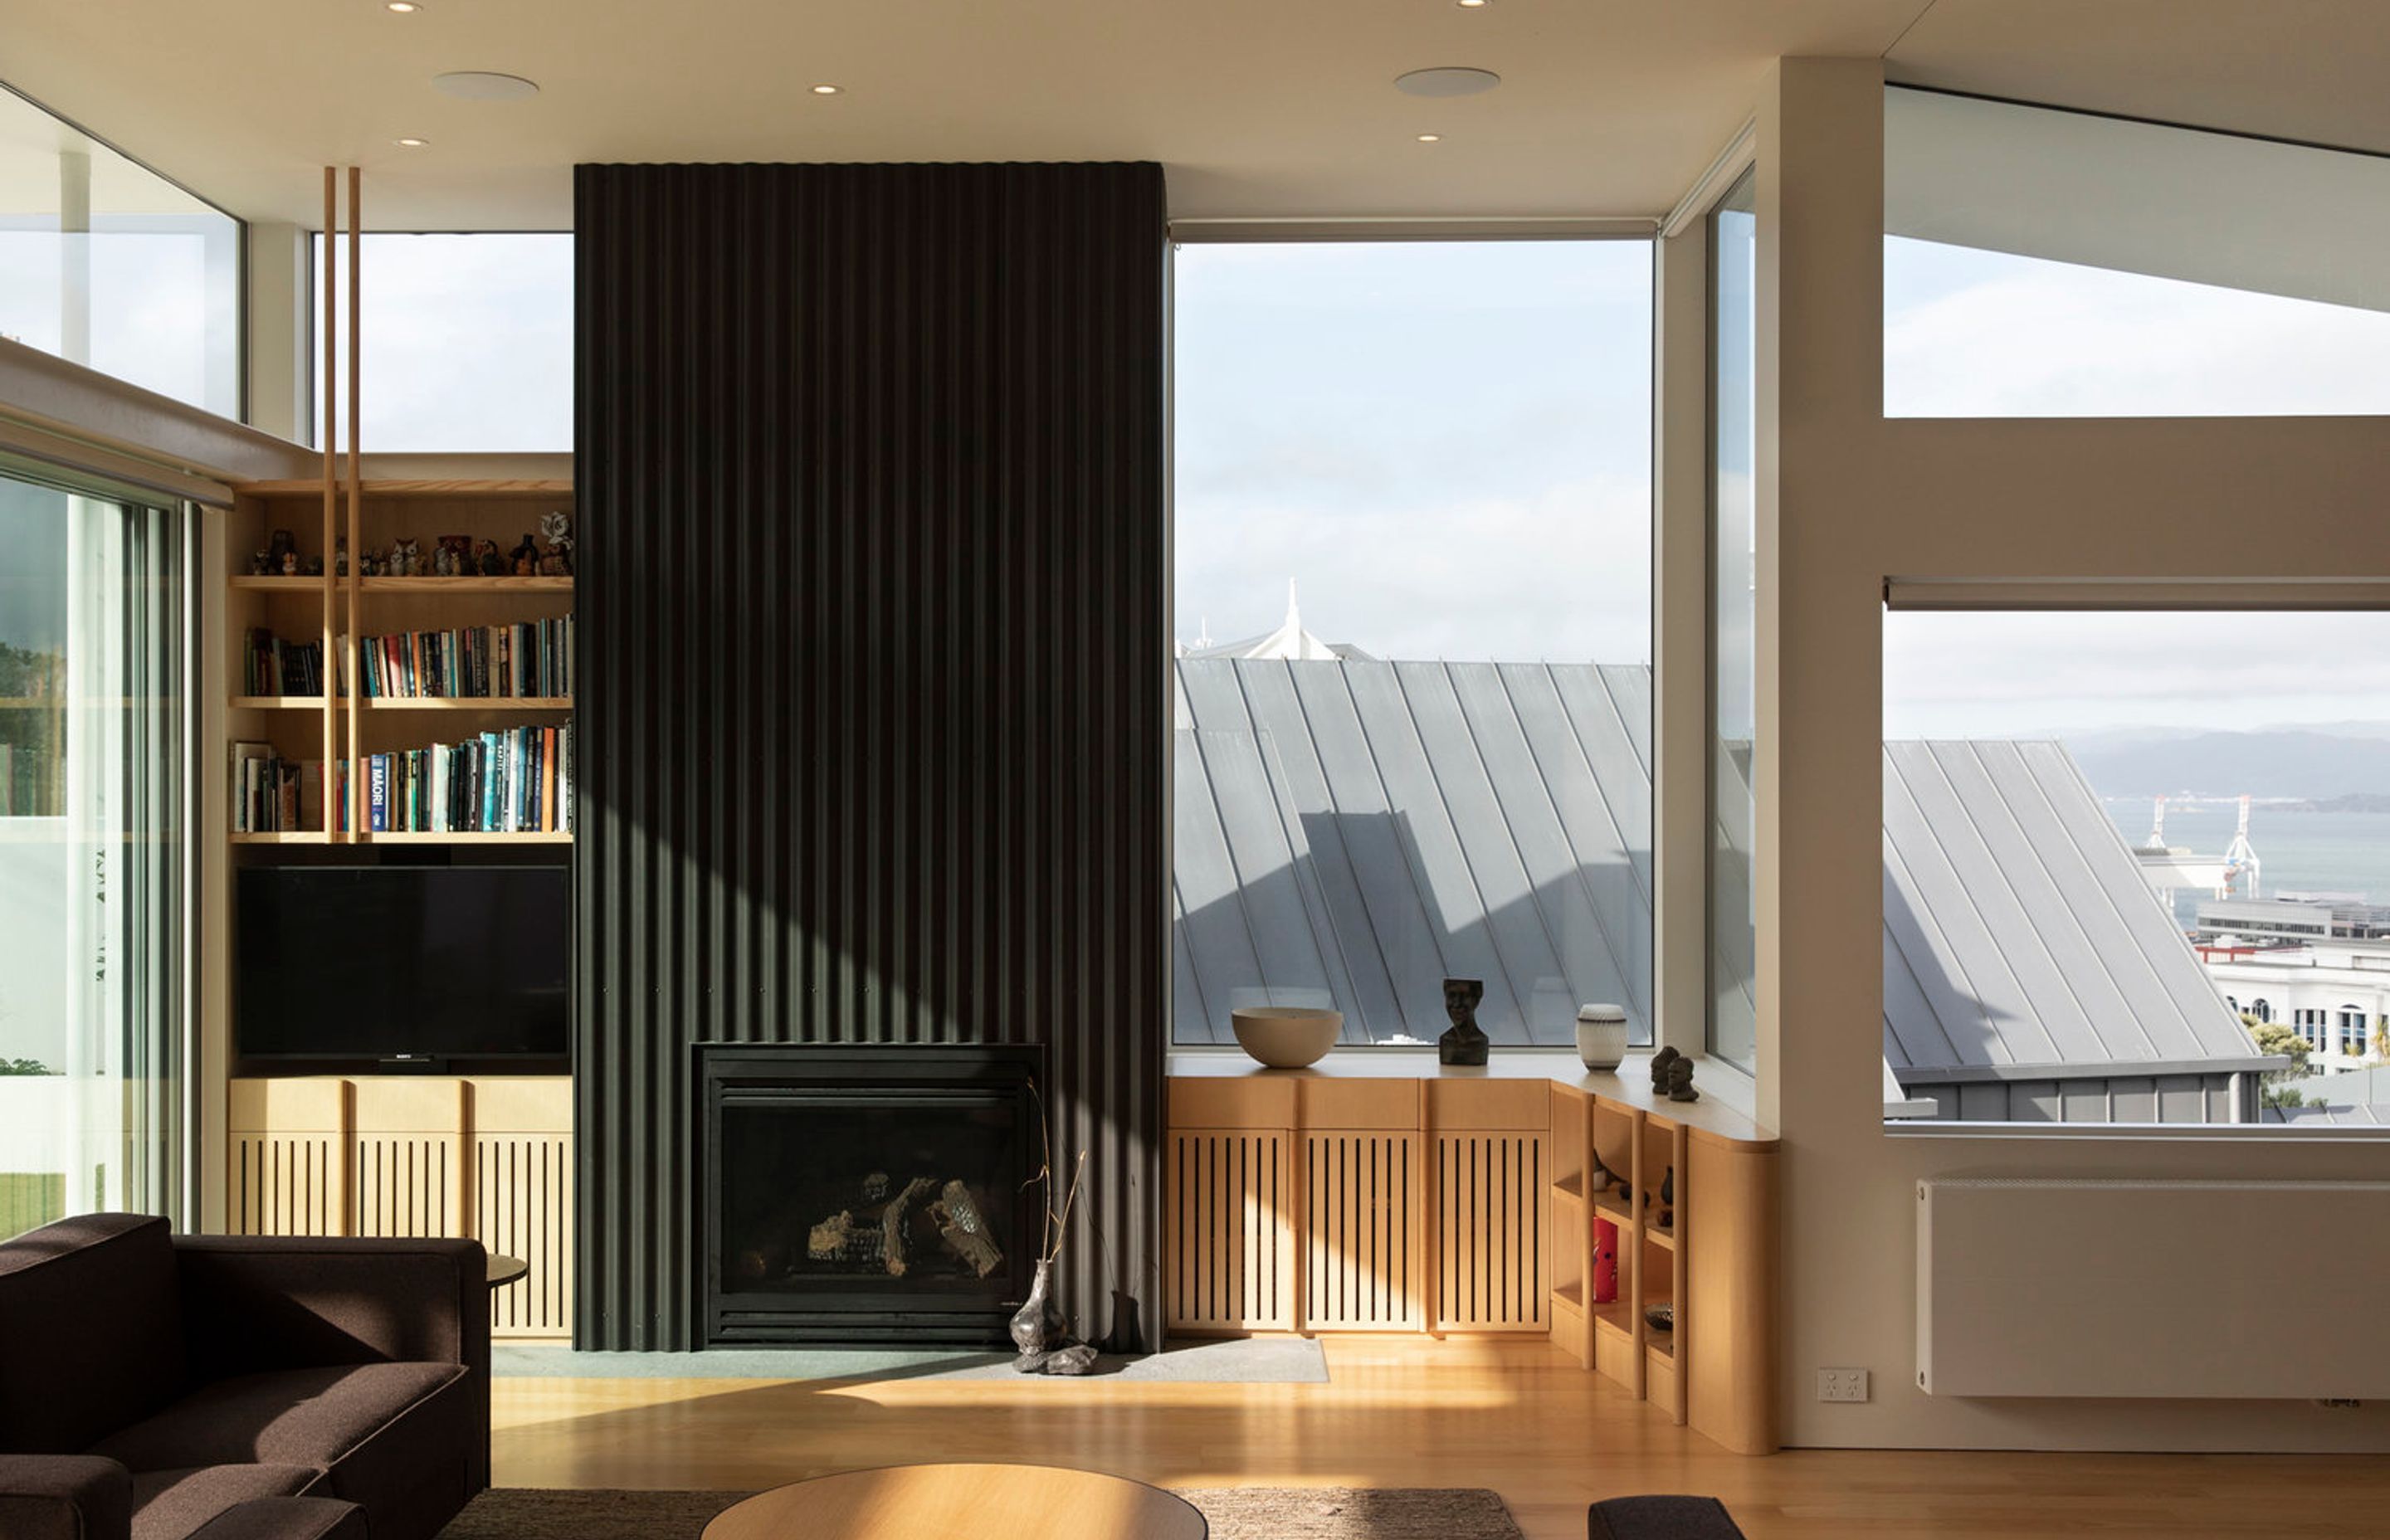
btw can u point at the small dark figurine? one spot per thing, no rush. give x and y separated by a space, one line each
1465 1043
1680 1081
557 529
261 564
1660 1062
311 567
281 545
527 558
1668 1197
454 556
340 557
491 563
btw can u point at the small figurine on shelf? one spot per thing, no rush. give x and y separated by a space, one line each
557 529
281 545
1668 1199
340 556
369 564
261 564
453 557
1680 1081
491 563
311 566
291 564
1660 1062
407 559
1466 1043
527 557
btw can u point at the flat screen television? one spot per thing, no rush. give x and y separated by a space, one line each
401 962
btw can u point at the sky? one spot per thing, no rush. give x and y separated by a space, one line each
1448 447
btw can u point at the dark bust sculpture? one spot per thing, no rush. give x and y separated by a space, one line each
1680 1081
1660 1062
1464 1044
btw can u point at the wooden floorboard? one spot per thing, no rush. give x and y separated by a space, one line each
1514 1416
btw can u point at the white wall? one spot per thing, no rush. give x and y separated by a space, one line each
1849 499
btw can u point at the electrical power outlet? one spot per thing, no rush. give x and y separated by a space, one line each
1842 1384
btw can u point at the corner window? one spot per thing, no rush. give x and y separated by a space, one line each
467 339
104 263
2040 263
1413 570
2134 864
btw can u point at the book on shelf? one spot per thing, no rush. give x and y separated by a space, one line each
524 659
515 780
272 666
273 795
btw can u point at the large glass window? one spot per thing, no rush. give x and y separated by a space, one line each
2048 264
1733 680
91 842
2136 865
105 263
1413 611
467 341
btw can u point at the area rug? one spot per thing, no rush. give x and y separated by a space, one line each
1231 1361
1233 1514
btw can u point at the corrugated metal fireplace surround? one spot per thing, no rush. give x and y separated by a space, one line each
874 670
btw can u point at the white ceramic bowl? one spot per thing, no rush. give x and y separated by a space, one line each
1286 1037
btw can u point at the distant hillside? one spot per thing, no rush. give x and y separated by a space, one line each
2284 763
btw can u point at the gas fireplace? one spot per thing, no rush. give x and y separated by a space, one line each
868 1195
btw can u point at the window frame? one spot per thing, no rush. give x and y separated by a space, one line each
1303 230
1950 592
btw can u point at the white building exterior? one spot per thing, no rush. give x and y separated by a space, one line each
2334 994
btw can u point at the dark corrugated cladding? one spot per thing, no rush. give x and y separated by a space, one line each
872 715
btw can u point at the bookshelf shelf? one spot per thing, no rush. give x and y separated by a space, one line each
490 703
464 836
447 585
247 583
421 487
277 703
282 837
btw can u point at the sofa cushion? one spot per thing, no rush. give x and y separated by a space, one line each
168 1505
91 1330
294 1417
289 1519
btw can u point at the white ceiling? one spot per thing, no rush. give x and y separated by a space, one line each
1258 108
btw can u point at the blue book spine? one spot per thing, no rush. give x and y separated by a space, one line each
378 792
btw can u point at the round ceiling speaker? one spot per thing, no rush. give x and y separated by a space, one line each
482 86
1450 81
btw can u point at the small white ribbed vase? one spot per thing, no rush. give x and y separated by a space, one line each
1601 1036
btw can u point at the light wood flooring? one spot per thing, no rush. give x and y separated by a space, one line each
1514 1416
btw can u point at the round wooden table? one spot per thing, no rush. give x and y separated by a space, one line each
504 1270
962 1502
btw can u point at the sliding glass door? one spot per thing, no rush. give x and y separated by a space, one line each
93 844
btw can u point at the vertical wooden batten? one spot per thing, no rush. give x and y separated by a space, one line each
873 702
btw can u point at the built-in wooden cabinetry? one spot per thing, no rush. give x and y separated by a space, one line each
489 1158
1378 1193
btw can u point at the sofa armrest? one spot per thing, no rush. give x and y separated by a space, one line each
287 1519
257 1302
64 1497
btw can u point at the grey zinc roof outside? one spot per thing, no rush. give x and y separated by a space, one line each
1349 833
2360 1114
2019 931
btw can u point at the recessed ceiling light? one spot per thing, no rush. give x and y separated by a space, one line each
824 90
408 8
1448 81
482 86
1470 5
412 143
1430 138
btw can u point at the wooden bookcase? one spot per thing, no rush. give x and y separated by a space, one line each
337 612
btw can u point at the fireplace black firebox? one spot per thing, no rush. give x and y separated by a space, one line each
868 1195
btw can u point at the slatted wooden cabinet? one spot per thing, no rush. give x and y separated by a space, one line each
489 1158
1299 1203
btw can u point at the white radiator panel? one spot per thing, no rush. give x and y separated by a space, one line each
2138 1289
